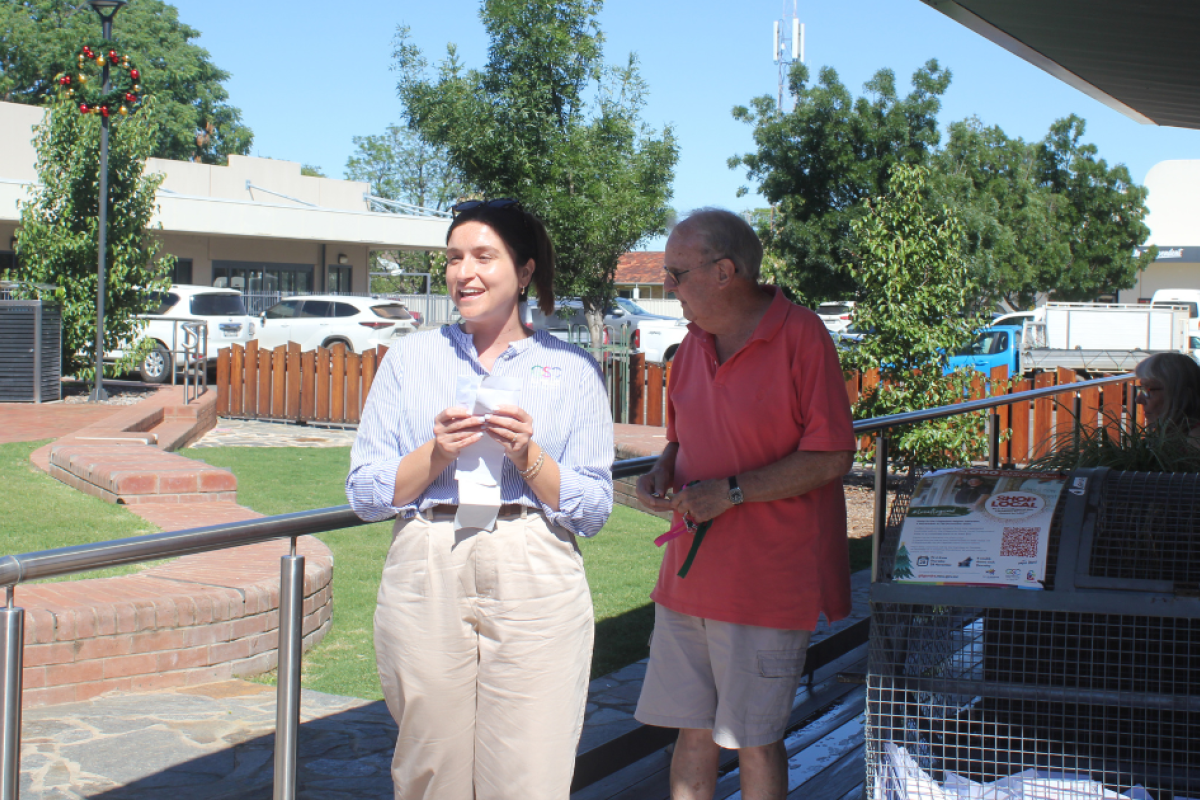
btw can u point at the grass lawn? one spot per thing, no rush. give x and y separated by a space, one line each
622 563
39 513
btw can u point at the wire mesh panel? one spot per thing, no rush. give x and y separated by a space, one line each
1067 692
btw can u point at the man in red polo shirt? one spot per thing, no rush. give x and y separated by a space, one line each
759 434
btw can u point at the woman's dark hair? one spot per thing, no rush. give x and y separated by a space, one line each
526 238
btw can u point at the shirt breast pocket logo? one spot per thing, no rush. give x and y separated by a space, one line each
546 377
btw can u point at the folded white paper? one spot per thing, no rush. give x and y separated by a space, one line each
479 465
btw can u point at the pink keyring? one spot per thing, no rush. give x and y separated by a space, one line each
676 530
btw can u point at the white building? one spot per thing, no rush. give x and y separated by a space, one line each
257 224
1174 221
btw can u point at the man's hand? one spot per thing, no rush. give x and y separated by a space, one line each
654 487
704 500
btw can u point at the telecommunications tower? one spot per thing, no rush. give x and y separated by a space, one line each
789 36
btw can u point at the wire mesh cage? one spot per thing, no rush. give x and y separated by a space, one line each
1090 688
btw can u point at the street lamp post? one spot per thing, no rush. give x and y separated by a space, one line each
106 9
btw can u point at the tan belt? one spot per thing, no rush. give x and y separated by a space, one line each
507 510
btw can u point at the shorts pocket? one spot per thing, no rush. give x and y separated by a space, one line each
781 663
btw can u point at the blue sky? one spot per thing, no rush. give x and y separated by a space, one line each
309 76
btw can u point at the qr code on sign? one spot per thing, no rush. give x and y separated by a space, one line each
1020 542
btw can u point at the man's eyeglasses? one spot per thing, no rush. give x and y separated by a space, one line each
677 274
471 205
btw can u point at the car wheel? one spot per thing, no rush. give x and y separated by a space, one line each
670 354
332 342
156 366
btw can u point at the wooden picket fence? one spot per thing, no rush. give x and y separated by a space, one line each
332 386
322 385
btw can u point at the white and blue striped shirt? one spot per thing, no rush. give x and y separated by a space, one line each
562 388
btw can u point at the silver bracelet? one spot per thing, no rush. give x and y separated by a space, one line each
530 472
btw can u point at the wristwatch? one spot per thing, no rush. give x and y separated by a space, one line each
735 492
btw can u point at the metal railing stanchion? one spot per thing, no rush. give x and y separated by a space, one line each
12 635
287 691
994 440
881 470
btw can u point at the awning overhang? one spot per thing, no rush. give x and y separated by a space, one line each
1135 56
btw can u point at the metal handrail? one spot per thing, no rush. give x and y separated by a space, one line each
82 558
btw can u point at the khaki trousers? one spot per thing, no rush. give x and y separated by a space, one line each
483 643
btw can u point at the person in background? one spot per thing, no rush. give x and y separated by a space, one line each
759 435
483 638
1169 391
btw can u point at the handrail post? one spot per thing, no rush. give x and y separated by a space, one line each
994 440
12 639
287 691
881 467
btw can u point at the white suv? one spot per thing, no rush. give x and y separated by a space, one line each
836 315
322 320
222 309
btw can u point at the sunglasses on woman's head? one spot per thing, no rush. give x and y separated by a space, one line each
471 205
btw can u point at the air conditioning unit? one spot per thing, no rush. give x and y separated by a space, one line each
30 351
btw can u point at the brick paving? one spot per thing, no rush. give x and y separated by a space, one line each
30 422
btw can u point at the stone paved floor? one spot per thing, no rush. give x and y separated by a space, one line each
256 433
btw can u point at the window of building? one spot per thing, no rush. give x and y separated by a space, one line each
256 277
8 263
183 272
337 280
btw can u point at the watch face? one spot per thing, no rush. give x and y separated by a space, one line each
735 495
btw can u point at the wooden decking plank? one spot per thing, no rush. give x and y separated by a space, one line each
833 727
836 780
648 778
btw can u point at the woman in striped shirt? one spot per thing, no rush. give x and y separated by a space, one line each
483 637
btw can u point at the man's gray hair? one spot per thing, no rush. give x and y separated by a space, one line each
727 235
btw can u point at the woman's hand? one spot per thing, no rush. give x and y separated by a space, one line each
454 429
512 427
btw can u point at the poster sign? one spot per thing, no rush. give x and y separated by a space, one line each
978 527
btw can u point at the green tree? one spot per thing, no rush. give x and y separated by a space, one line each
58 239
41 38
1015 241
917 301
402 167
1102 211
1043 219
548 123
820 162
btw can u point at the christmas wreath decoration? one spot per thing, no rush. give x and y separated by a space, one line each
86 85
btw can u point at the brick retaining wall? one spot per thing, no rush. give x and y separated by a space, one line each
196 619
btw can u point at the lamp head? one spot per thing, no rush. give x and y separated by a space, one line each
107 9
343 259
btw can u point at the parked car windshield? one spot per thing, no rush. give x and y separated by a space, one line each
630 306
391 311
218 305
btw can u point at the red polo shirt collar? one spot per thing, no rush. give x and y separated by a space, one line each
767 327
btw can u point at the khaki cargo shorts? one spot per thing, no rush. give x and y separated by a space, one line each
737 680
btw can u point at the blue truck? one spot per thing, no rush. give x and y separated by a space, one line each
1090 338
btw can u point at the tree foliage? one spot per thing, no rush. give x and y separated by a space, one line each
819 163
402 166
547 122
58 239
40 39
917 299
1039 218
